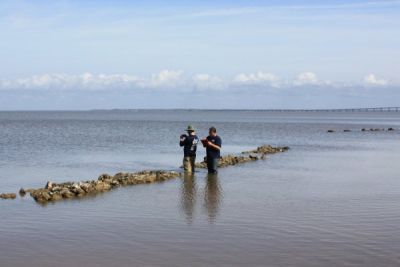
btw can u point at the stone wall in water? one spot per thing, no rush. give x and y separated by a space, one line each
106 182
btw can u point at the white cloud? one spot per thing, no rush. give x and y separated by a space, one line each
87 80
174 80
306 78
259 78
68 81
109 81
372 80
206 81
166 78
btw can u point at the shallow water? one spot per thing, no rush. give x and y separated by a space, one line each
331 200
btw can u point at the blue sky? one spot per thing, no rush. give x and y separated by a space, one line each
201 54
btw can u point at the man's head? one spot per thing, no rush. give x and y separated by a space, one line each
212 131
190 129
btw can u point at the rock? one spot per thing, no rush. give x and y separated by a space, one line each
54 192
65 193
330 131
22 192
102 186
363 129
56 196
41 195
49 185
105 182
56 188
163 176
114 183
231 160
346 131
146 176
105 177
390 129
87 187
8 196
76 189
266 149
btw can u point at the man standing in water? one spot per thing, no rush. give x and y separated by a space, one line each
189 143
213 146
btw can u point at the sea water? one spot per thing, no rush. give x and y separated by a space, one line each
332 200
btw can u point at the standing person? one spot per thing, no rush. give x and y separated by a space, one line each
213 146
189 143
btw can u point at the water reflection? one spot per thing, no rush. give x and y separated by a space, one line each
188 196
211 195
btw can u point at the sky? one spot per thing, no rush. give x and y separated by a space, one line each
67 55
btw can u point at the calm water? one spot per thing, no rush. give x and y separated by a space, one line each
332 200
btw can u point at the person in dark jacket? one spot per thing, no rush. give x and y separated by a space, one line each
189 143
213 145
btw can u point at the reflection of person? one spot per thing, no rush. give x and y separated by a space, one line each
189 143
188 195
213 146
212 196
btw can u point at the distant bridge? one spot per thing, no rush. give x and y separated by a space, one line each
380 109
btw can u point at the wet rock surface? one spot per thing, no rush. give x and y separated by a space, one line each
105 182
69 190
8 196
253 155
267 149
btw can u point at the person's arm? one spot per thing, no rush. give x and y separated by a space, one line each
213 146
217 145
182 139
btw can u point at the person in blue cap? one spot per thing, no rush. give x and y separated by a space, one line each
189 143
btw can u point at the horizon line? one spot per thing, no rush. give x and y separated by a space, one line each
351 109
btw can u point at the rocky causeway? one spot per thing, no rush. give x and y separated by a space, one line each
105 182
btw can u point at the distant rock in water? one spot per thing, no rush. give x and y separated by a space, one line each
8 196
346 130
390 129
330 131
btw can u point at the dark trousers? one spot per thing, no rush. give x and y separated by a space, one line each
212 165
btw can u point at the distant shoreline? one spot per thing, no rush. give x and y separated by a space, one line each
369 109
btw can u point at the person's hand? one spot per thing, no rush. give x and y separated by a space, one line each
183 137
204 142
